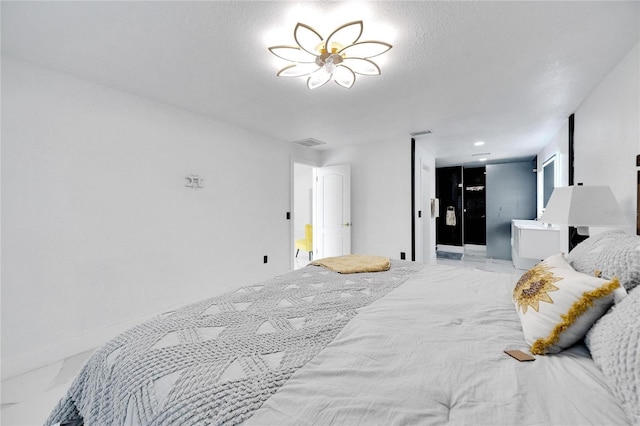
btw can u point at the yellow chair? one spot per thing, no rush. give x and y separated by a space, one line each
306 244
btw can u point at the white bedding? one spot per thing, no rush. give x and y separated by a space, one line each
431 352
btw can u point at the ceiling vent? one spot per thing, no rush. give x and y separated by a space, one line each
309 142
421 133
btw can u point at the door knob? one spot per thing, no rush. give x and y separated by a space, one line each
347 224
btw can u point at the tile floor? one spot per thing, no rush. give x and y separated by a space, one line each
301 260
27 400
477 260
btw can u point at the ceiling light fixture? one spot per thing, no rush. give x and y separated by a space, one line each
339 57
479 143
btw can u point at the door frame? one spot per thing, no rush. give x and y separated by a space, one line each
423 232
292 163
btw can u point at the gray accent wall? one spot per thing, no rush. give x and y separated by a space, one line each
511 194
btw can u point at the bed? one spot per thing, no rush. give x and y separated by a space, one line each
415 344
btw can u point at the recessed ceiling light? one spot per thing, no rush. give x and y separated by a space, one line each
482 159
479 143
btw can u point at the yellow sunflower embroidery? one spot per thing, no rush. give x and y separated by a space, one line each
533 286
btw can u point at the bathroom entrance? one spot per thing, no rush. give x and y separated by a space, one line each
462 198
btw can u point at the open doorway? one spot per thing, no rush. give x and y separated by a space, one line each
321 207
302 213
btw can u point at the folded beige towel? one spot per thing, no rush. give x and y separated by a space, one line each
353 263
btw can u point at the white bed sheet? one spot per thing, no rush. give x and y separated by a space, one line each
431 352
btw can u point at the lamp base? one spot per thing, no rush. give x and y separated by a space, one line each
576 237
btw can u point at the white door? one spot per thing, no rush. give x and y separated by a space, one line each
332 224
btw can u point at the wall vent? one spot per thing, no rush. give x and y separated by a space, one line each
421 133
309 142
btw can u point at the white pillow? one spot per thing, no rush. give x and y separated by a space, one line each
557 305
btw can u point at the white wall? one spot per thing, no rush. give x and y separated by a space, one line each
380 196
607 135
98 229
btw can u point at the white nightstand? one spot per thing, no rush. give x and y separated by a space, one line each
533 241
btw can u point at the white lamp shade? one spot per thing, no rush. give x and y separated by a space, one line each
588 205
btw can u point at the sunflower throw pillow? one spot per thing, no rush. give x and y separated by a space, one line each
557 305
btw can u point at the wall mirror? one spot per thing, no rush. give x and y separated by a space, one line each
548 179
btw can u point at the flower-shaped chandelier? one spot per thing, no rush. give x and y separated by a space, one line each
340 57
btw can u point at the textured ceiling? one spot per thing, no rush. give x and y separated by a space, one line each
507 73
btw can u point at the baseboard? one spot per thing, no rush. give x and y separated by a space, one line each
475 249
450 249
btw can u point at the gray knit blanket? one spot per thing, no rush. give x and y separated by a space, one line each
216 361
613 254
614 342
